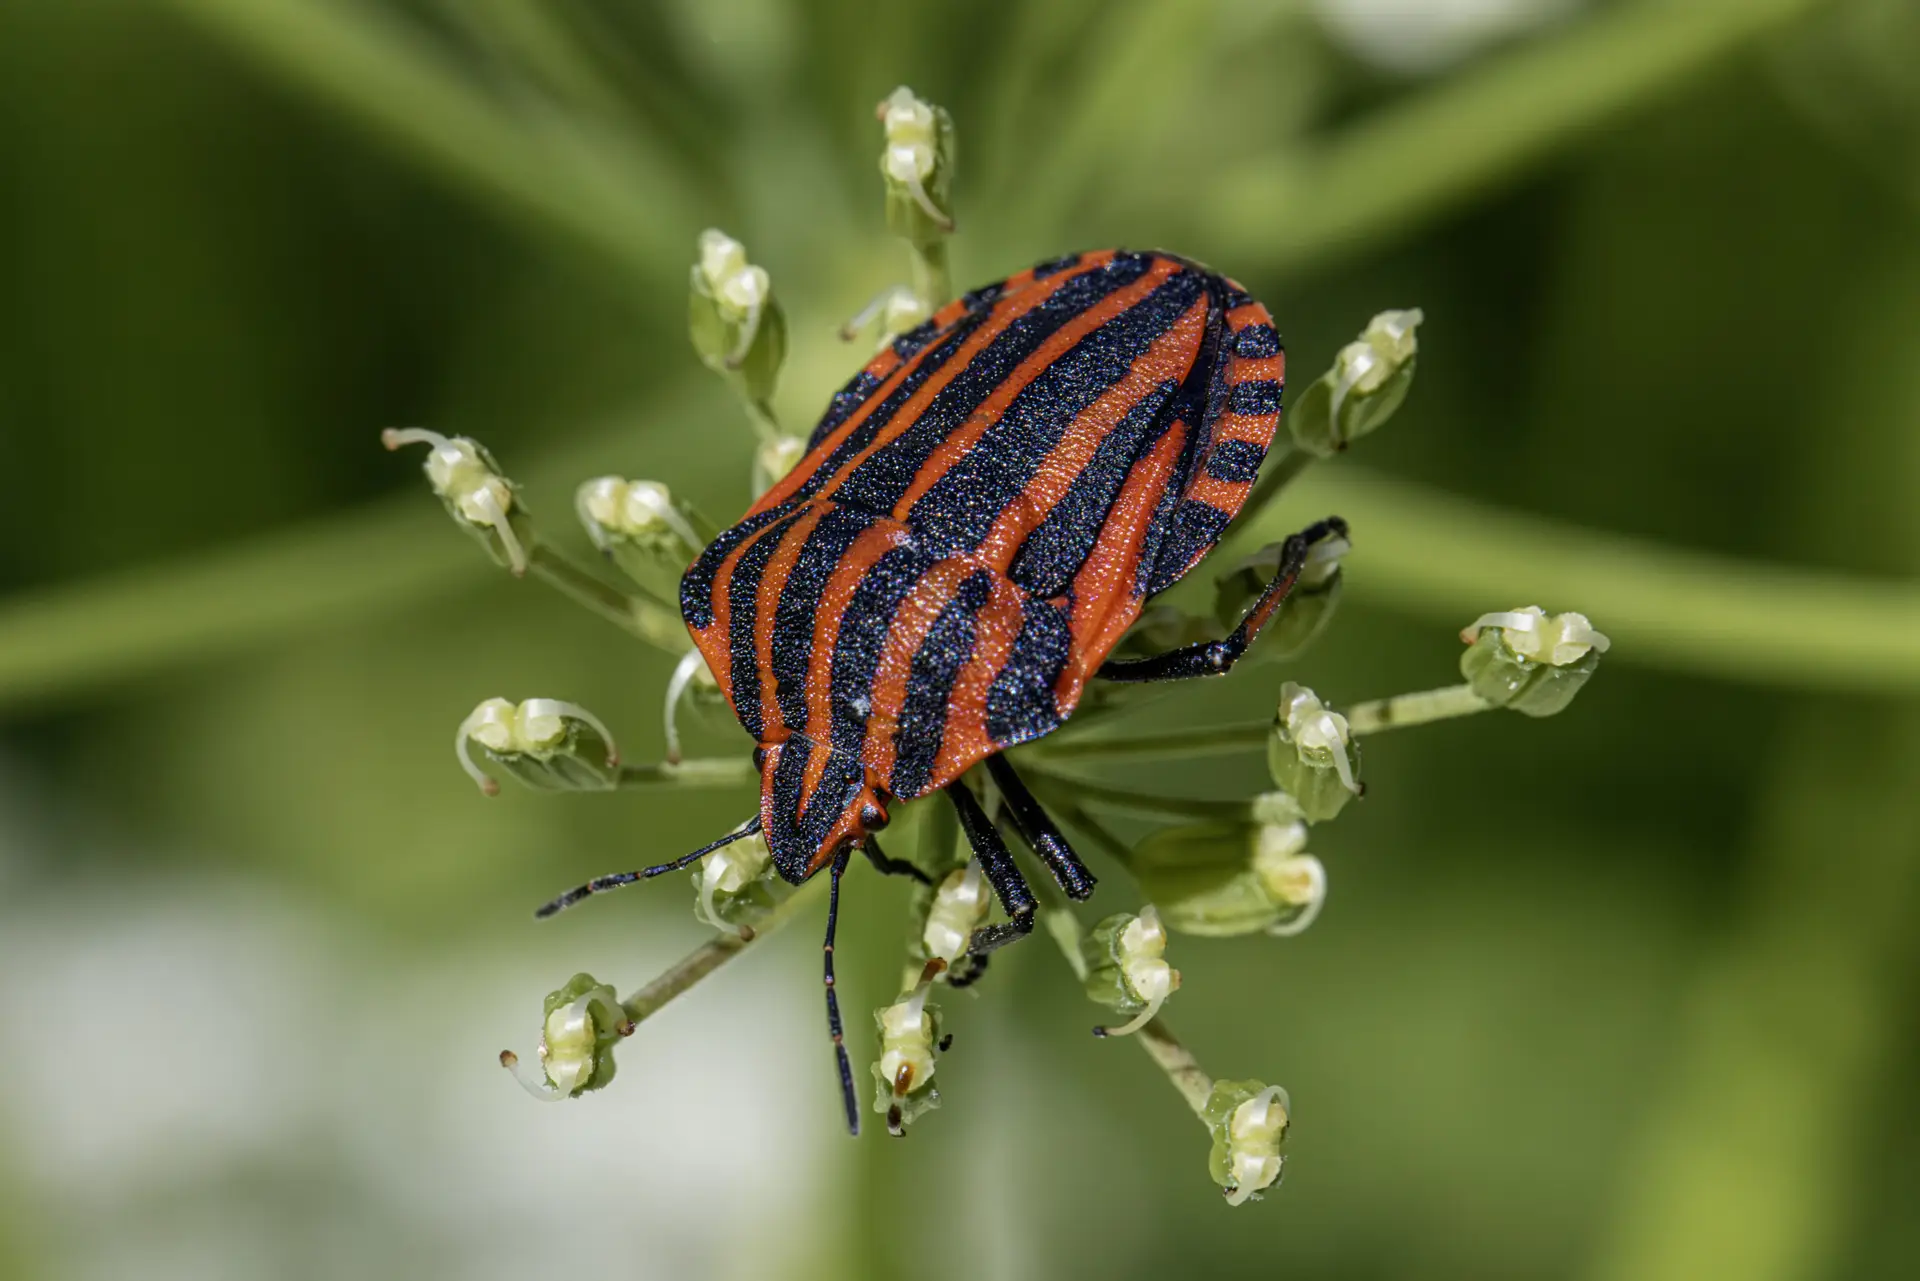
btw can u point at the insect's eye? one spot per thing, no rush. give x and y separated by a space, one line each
760 758
872 818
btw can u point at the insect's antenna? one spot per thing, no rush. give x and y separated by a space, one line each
617 879
833 999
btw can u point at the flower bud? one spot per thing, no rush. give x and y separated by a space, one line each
1369 379
1248 1121
898 309
546 744
582 1024
918 167
1127 969
774 459
1311 754
481 500
1227 879
1305 612
909 1035
736 885
641 527
692 682
737 326
1529 661
960 903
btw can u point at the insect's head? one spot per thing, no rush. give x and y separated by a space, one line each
814 803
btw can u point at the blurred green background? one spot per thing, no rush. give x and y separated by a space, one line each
1625 994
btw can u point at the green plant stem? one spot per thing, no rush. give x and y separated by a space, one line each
932 277
714 953
1212 740
1410 163
1439 556
1419 708
620 200
1131 801
632 614
1183 1071
700 772
1275 476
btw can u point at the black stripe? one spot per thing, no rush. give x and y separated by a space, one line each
1202 401
908 345
1235 461
1020 703
1054 266
793 616
1256 342
960 509
1053 552
862 636
1197 526
857 392
696 585
984 296
1156 534
1255 397
882 479
743 599
936 666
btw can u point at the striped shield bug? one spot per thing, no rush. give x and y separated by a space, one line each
981 514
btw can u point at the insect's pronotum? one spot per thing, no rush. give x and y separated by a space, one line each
981 514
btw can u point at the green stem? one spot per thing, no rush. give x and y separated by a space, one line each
1439 556
714 953
1176 1060
716 772
1274 478
621 200
1414 709
1137 802
1408 164
932 278
633 614
1210 740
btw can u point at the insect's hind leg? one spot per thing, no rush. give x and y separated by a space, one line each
996 862
1214 658
1040 832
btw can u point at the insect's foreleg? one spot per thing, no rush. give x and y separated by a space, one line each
834 1026
600 884
1040 832
887 865
1215 658
996 862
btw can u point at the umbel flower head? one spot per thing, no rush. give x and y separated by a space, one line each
1233 867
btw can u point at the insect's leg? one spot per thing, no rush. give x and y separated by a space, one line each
617 879
968 970
1040 832
833 999
1213 658
996 861
887 865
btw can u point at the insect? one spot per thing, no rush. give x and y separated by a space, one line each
981 514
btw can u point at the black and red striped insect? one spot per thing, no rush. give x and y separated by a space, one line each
981 514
